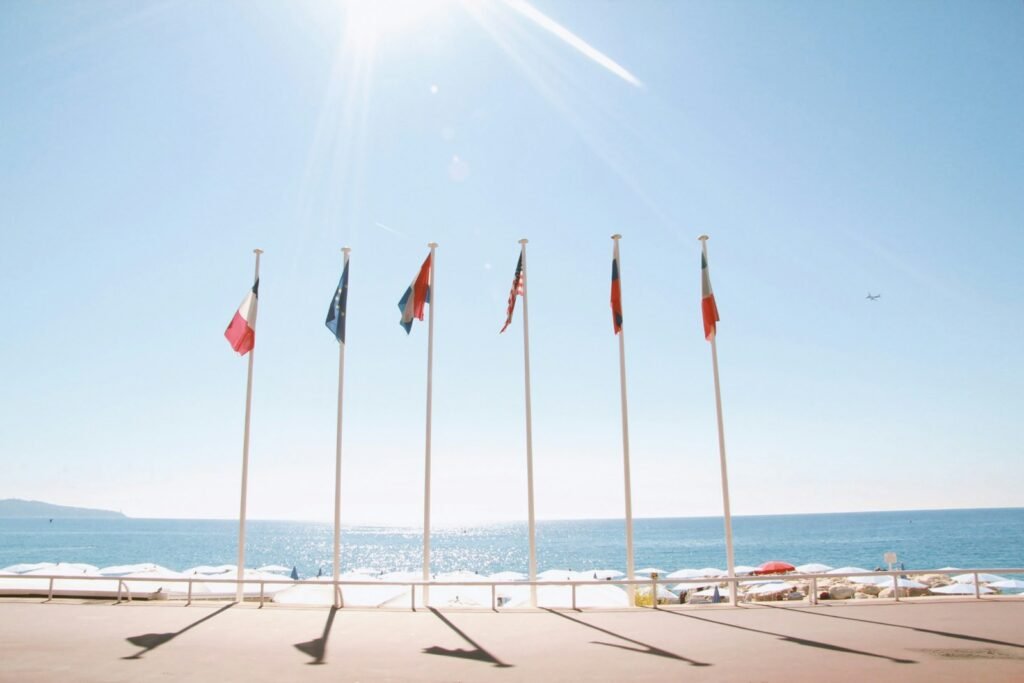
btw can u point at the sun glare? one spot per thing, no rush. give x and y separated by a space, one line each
368 21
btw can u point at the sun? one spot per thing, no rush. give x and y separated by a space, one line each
366 22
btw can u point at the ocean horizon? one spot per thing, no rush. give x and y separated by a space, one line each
922 539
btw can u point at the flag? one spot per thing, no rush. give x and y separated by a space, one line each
707 301
616 297
336 313
418 294
517 290
241 332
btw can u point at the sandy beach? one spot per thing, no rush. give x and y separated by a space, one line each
935 640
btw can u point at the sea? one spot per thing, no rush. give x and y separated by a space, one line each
921 539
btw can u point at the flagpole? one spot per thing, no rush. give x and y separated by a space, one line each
721 451
531 523
426 467
625 440
245 459
338 600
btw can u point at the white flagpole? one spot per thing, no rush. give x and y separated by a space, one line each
529 433
245 455
426 467
338 601
721 451
625 439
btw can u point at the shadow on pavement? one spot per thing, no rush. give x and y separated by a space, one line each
948 634
643 648
793 639
477 653
315 648
151 641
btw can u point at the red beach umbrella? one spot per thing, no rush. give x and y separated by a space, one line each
775 567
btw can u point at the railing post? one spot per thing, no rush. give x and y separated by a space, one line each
119 584
896 587
813 597
654 590
261 594
189 601
573 596
494 597
412 594
50 595
977 588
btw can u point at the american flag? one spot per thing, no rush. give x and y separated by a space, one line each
517 290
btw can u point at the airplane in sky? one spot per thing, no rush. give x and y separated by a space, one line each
873 297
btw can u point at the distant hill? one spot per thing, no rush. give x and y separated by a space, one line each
13 507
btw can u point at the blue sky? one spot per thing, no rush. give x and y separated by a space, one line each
828 149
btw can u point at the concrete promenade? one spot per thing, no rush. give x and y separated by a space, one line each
934 640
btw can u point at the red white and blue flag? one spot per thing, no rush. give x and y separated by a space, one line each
412 302
616 297
241 332
707 300
517 290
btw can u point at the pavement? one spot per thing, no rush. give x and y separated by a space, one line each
934 640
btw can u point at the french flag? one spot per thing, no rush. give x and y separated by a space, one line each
412 302
616 297
241 333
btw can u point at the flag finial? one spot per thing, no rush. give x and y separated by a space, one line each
432 245
345 250
523 241
703 238
257 251
616 237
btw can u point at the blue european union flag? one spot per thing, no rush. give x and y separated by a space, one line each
336 313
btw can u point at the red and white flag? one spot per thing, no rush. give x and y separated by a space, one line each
707 301
241 333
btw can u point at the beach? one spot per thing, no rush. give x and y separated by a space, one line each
948 639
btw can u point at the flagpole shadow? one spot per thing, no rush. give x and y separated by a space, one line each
478 653
643 648
317 647
948 634
151 641
792 639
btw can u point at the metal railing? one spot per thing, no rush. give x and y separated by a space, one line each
124 592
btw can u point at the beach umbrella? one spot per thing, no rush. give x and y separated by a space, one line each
603 574
647 571
207 570
123 569
686 574
770 588
681 587
295 574
25 568
274 569
982 578
66 569
960 589
847 570
1008 584
813 568
508 576
885 581
775 567
712 572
